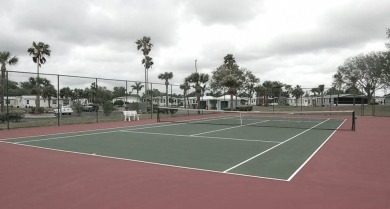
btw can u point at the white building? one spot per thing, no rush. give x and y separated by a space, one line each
217 103
386 100
10 101
303 101
129 99
25 101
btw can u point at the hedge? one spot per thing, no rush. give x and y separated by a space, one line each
12 116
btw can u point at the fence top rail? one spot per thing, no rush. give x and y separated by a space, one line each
86 77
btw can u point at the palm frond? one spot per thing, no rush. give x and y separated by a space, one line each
13 61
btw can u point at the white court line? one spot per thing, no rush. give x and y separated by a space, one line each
208 137
63 137
228 128
183 122
147 162
249 159
311 156
74 132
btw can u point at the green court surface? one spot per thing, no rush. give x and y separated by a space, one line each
269 151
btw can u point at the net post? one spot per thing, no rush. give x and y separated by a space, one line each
240 118
353 121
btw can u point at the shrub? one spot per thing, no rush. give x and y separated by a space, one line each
40 110
154 108
133 106
244 108
108 107
12 116
119 103
78 108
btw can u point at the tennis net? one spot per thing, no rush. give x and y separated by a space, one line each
328 120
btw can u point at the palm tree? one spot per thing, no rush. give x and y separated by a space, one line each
38 51
315 91
268 85
260 92
5 58
78 93
185 86
137 86
297 92
229 61
198 79
66 93
145 46
166 76
232 80
48 92
338 82
89 94
232 83
250 81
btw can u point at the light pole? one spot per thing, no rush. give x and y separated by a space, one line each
196 69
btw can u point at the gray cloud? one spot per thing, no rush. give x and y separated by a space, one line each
225 11
80 22
96 38
350 26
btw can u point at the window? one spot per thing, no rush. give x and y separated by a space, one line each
54 101
27 101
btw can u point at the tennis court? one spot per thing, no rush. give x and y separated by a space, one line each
262 146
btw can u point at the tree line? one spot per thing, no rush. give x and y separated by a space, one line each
94 94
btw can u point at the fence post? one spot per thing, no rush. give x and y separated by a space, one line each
373 105
126 96
362 103
6 86
58 100
97 111
330 103
301 104
151 101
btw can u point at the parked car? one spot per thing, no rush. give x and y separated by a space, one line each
91 108
64 110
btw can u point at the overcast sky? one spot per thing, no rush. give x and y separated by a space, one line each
294 42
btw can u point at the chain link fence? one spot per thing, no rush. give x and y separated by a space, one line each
328 100
65 99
